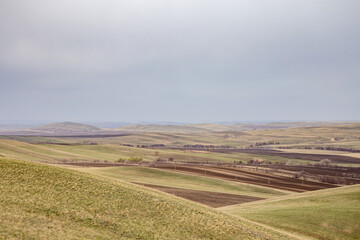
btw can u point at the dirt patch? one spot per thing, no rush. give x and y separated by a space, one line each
212 199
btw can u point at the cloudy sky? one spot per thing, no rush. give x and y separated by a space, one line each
171 60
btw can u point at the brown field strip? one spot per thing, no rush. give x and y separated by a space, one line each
212 199
350 174
256 178
302 156
293 181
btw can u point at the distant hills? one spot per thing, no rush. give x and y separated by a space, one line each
67 127
216 127
60 129
164 128
75 129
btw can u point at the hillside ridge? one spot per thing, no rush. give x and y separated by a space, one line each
49 202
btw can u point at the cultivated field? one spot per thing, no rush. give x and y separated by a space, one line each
212 199
251 177
207 190
311 157
167 178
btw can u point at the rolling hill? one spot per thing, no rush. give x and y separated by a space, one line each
38 201
323 214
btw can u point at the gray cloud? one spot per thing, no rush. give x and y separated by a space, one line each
179 60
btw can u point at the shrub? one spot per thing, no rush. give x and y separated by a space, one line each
121 160
135 159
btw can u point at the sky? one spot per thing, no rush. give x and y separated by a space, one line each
179 61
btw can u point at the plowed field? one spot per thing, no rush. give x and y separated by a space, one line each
253 177
212 199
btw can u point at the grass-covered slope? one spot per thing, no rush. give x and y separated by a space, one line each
325 214
38 201
38 153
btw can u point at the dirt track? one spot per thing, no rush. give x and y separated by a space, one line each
212 199
252 177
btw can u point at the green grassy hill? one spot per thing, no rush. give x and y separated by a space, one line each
325 214
38 201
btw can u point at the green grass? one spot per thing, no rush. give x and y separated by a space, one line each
179 180
325 214
38 201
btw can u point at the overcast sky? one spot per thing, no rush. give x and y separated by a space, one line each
171 60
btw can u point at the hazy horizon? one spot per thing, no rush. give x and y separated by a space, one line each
121 123
183 62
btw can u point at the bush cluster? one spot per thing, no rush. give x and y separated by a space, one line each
130 159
